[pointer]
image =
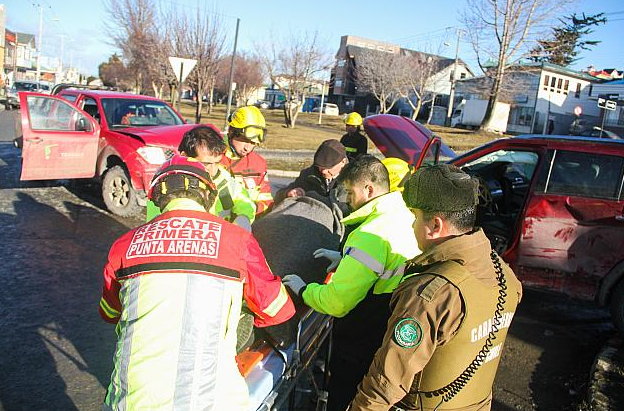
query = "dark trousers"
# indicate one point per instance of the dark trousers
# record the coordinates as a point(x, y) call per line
point(356, 338)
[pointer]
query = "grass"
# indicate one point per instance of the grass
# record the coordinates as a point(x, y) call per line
point(308, 134)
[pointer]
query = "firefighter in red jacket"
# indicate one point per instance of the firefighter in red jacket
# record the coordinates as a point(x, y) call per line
point(174, 286)
point(247, 130)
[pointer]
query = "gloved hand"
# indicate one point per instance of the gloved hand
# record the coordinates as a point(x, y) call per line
point(294, 282)
point(331, 255)
point(243, 222)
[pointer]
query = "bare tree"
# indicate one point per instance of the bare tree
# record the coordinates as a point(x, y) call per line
point(199, 36)
point(381, 74)
point(248, 77)
point(292, 67)
point(415, 85)
point(502, 32)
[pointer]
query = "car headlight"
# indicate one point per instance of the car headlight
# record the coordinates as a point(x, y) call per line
point(153, 155)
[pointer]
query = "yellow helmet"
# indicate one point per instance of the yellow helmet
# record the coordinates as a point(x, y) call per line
point(353, 119)
point(249, 124)
point(399, 172)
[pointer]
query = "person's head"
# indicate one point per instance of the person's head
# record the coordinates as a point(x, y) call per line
point(444, 201)
point(247, 130)
point(364, 179)
point(330, 158)
point(205, 144)
point(399, 172)
point(353, 122)
point(182, 177)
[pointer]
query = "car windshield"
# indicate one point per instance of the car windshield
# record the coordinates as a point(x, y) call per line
point(121, 112)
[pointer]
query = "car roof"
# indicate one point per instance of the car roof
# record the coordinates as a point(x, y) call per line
point(108, 94)
point(571, 139)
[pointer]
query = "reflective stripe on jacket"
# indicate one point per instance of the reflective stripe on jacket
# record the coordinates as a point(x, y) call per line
point(174, 287)
point(251, 172)
point(374, 256)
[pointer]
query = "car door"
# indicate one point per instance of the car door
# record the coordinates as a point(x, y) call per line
point(573, 228)
point(59, 140)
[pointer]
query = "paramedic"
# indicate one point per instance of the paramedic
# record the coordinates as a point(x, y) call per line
point(353, 140)
point(174, 287)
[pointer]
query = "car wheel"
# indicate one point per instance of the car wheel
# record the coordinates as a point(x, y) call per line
point(118, 193)
point(617, 307)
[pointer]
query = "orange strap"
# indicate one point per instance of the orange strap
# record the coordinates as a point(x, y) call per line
point(247, 359)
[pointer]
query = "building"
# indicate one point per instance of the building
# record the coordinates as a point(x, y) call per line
point(20, 54)
point(613, 119)
point(543, 97)
point(343, 88)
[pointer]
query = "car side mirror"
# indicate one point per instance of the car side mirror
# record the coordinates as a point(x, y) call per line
point(83, 125)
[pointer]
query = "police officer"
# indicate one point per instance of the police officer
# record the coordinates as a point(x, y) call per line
point(451, 313)
point(370, 267)
point(353, 140)
point(174, 287)
point(247, 131)
point(232, 203)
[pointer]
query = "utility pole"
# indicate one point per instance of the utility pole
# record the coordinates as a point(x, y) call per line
point(230, 92)
point(40, 38)
point(322, 102)
point(62, 36)
point(449, 111)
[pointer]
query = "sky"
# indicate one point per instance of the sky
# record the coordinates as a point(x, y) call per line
point(414, 24)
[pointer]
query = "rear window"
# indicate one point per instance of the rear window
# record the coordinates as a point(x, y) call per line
point(585, 175)
point(21, 86)
point(69, 97)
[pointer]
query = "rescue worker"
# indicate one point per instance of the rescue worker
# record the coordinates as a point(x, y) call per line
point(451, 313)
point(174, 287)
point(370, 267)
point(353, 140)
point(247, 130)
point(399, 172)
point(232, 203)
point(329, 159)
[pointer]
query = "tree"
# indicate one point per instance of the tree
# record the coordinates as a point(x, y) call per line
point(381, 74)
point(566, 40)
point(114, 73)
point(499, 31)
point(248, 77)
point(292, 67)
point(199, 37)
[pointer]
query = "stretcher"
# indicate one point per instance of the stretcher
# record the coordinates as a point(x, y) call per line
point(272, 374)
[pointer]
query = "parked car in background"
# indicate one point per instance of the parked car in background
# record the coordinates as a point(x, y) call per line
point(328, 108)
point(119, 138)
point(262, 104)
point(602, 133)
point(552, 206)
point(13, 101)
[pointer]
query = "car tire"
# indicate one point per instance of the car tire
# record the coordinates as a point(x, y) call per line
point(118, 193)
point(617, 307)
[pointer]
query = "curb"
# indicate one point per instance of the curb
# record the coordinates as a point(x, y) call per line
point(283, 173)
point(606, 377)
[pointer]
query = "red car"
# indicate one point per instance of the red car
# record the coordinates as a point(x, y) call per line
point(119, 138)
point(552, 206)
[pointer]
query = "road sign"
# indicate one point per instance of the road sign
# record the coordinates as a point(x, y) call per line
point(578, 110)
point(181, 67)
point(607, 104)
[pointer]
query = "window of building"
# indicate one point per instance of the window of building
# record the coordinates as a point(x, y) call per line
point(462, 75)
point(577, 93)
point(565, 87)
point(521, 116)
point(559, 85)
point(584, 174)
point(553, 81)
point(338, 83)
point(546, 79)
point(341, 63)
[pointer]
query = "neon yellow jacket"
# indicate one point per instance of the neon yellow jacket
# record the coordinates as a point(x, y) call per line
point(233, 200)
point(374, 256)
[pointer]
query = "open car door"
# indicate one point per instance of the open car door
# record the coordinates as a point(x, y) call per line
point(59, 140)
point(401, 137)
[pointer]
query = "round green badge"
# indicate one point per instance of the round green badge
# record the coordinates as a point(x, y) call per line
point(408, 333)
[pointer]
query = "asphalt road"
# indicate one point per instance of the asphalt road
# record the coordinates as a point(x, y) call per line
point(56, 352)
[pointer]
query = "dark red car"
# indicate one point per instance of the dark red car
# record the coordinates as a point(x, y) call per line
point(119, 138)
point(552, 206)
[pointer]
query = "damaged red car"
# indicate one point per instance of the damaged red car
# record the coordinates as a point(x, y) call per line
point(552, 206)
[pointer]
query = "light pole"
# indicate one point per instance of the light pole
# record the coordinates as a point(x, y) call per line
point(40, 38)
point(229, 103)
point(449, 111)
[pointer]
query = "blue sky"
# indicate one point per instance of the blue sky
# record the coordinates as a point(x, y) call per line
point(414, 24)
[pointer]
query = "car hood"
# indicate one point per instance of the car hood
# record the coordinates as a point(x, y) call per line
point(401, 137)
point(163, 136)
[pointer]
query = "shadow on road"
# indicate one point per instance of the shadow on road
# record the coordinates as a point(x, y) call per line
point(50, 284)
